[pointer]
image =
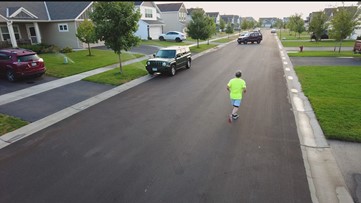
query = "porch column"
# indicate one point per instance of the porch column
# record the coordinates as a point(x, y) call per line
point(12, 34)
point(37, 32)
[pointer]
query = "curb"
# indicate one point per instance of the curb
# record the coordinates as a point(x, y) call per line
point(324, 177)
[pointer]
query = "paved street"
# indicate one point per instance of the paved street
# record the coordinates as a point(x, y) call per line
point(168, 140)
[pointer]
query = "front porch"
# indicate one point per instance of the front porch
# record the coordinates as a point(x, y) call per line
point(15, 34)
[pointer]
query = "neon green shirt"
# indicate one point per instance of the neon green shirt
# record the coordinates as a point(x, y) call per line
point(236, 87)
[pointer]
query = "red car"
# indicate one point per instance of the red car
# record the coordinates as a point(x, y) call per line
point(18, 63)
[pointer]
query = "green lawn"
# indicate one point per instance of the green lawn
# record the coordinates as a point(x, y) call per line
point(79, 61)
point(202, 47)
point(9, 123)
point(225, 40)
point(327, 43)
point(292, 35)
point(334, 92)
point(159, 43)
point(113, 77)
point(324, 54)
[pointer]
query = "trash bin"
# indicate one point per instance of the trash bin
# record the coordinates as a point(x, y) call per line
point(301, 48)
point(65, 59)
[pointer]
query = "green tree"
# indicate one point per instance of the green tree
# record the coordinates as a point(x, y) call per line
point(222, 24)
point(342, 25)
point(199, 27)
point(229, 29)
point(211, 26)
point(86, 33)
point(297, 24)
point(318, 25)
point(115, 24)
point(279, 24)
point(251, 24)
point(244, 24)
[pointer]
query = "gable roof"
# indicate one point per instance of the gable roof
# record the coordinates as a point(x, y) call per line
point(212, 14)
point(69, 10)
point(42, 10)
point(169, 7)
point(190, 10)
point(138, 3)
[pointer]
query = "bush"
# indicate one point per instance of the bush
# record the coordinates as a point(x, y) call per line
point(149, 38)
point(358, 38)
point(66, 50)
point(41, 48)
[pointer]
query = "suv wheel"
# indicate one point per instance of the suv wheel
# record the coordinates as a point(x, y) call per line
point(172, 70)
point(161, 38)
point(258, 41)
point(178, 39)
point(10, 76)
point(245, 42)
point(189, 63)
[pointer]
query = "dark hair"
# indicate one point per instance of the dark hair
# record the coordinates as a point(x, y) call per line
point(238, 74)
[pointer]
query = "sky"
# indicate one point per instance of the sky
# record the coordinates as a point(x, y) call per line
point(263, 9)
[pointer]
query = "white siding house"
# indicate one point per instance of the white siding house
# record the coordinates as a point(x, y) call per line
point(150, 24)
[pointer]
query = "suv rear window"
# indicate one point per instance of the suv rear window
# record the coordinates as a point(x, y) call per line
point(32, 57)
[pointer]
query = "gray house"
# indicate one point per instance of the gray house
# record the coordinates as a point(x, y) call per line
point(216, 16)
point(174, 16)
point(49, 22)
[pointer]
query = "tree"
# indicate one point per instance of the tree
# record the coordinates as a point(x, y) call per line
point(211, 26)
point(86, 33)
point(297, 24)
point(279, 24)
point(222, 24)
point(318, 25)
point(244, 24)
point(342, 25)
point(251, 24)
point(229, 29)
point(199, 27)
point(115, 23)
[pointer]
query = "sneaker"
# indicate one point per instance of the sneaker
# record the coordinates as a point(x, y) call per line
point(235, 116)
point(230, 118)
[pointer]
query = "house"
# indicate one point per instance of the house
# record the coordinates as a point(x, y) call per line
point(48, 22)
point(216, 17)
point(150, 25)
point(357, 32)
point(228, 19)
point(189, 13)
point(267, 22)
point(174, 16)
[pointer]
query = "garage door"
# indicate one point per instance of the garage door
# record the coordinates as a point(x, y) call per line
point(155, 31)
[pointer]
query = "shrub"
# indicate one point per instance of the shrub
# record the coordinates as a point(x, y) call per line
point(41, 48)
point(66, 50)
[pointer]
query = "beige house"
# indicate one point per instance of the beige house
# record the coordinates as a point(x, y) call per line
point(48, 22)
point(174, 16)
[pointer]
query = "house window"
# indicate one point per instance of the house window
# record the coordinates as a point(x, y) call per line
point(6, 35)
point(182, 16)
point(148, 13)
point(63, 27)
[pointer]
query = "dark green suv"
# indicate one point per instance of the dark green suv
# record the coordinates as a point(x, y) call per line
point(169, 60)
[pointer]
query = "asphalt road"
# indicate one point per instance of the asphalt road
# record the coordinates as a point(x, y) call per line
point(168, 140)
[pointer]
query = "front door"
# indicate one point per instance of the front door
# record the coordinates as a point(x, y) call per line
point(31, 34)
